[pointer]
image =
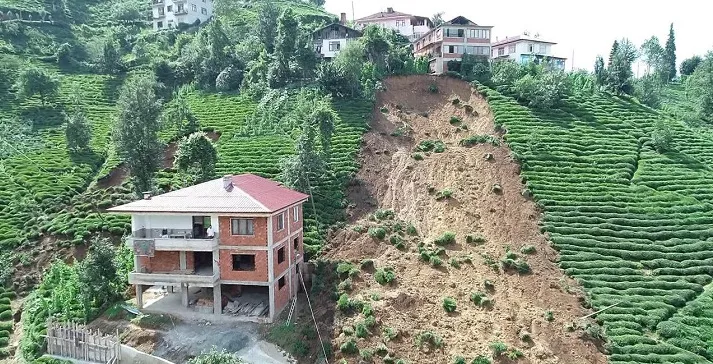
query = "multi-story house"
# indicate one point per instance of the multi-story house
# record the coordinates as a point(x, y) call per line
point(230, 246)
point(449, 41)
point(524, 48)
point(410, 26)
point(331, 39)
point(169, 14)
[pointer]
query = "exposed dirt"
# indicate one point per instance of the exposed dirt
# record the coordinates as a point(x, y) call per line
point(391, 179)
point(115, 178)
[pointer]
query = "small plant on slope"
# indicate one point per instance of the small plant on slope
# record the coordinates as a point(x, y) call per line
point(449, 304)
point(384, 276)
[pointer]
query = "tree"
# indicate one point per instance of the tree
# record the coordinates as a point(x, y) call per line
point(35, 81)
point(178, 113)
point(689, 65)
point(600, 71)
point(612, 53)
point(306, 167)
point(8, 71)
point(285, 42)
point(98, 280)
point(136, 130)
point(619, 73)
point(648, 90)
point(214, 356)
point(267, 25)
point(670, 54)
point(78, 131)
point(700, 86)
point(229, 79)
point(661, 137)
point(317, 2)
point(196, 156)
point(653, 56)
point(111, 57)
point(64, 55)
point(437, 19)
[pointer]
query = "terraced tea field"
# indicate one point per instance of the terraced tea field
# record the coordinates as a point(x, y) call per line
point(6, 323)
point(38, 184)
point(632, 225)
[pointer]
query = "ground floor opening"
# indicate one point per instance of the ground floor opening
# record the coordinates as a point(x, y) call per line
point(244, 300)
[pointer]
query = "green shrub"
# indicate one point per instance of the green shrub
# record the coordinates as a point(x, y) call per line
point(527, 249)
point(459, 360)
point(498, 348)
point(435, 146)
point(367, 264)
point(455, 120)
point(384, 110)
point(384, 276)
point(384, 214)
point(348, 330)
point(370, 321)
point(433, 88)
point(359, 229)
point(514, 354)
point(345, 285)
point(455, 263)
point(444, 194)
point(449, 304)
point(455, 101)
point(343, 303)
point(446, 239)
point(396, 240)
point(360, 330)
point(481, 359)
point(367, 310)
point(390, 333)
point(474, 239)
point(377, 233)
point(429, 338)
point(349, 347)
point(479, 139)
point(435, 260)
point(411, 230)
point(366, 354)
point(549, 315)
point(344, 268)
point(417, 156)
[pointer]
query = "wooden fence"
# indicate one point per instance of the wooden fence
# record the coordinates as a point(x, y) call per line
point(78, 342)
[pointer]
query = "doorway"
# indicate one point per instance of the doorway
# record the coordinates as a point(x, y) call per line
point(203, 263)
point(200, 227)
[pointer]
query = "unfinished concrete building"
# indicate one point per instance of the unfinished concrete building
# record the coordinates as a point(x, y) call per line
point(231, 246)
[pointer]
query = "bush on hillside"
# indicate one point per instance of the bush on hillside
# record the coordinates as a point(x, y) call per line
point(215, 356)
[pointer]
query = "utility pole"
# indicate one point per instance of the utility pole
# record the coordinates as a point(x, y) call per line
point(353, 17)
point(572, 59)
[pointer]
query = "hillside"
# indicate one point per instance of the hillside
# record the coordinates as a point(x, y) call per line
point(417, 197)
point(632, 225)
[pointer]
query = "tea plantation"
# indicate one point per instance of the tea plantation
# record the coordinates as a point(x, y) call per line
point(6, 323)
point(632, 225)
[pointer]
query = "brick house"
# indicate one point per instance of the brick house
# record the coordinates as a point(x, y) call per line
point(234, 243)
point(450, 40)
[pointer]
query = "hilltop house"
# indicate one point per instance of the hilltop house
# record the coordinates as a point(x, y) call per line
point(169, 14)
point(452, 39)
point(230, 246)
point(410, 26)
point(331, 39)
point(524, 48)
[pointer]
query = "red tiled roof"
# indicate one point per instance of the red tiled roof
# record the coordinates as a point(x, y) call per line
point(269, 193)
point(384, 14)
point(247, 194)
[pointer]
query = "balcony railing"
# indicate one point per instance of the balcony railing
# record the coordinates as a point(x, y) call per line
point(206, 279)
point(173, 240)
point(157, 2)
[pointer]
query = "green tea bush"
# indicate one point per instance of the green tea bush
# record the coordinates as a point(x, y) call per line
point(349, 347)
point(449, 304)
point(385, 276)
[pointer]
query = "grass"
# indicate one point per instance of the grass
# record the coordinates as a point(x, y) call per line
point(631, 224)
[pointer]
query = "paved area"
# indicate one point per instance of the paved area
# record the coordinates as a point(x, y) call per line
point(190, 338)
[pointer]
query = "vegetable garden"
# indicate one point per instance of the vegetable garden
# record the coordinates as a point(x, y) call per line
point(632, 225)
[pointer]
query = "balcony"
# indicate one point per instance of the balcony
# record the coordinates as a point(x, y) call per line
point(172, 240)
point(157, 2)
point(205, 277)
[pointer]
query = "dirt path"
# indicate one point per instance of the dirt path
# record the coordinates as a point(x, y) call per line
point(390, 178)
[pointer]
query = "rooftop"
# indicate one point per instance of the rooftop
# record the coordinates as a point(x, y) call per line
point(246, 193)
point(389, 13)
point(521, 38)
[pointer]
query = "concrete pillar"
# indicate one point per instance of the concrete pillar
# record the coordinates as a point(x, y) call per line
point(182, 260)
point(184, 294)
point(139, 296)
point(217, 300)
point(216, 261)
point(272, 301)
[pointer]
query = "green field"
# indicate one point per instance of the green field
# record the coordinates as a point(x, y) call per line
point(632, 225)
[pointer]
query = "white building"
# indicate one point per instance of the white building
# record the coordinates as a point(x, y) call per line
point(331, 39)
point(524, 48)
point(410, 26)
point(169, 14)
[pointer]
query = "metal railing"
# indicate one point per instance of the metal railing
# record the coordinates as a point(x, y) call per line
point(168, 234)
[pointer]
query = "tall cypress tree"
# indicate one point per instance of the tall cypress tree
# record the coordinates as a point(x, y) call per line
point(670, 54)
point(614, 49)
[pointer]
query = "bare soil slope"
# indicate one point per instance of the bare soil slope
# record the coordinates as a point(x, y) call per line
point(539, 304)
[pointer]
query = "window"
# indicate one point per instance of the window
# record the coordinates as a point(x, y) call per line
point(159, 25)
point(401, 23)
point(296, 213)
point(543, 48)
point(531, 48)
point(204, 11)
point(179, 8)
point(511, 49)
point(461, 33)
point(281, 255)
point(296, 243)
point(169, 8)
point(280, 283)
point(194, 7)
point(334, 46)
point(242, 226)
point(280, 221)
point(161, 11)
point(243, 262)
point(501, 51)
